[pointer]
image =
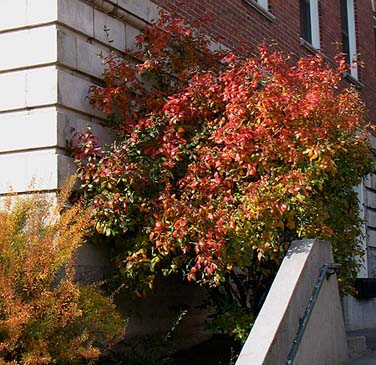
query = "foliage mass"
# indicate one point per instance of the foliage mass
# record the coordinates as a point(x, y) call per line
point(221, 160)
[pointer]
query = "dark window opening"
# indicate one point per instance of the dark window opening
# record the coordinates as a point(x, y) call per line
point(345, 31)
point(374, 29)
point(305, 20)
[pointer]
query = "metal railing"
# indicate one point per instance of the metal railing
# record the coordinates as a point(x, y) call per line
point(326, 272)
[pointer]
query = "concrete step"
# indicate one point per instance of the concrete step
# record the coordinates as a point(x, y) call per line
point(357, 346)
point(368, 359)
point(368, 333)
point(362, 346)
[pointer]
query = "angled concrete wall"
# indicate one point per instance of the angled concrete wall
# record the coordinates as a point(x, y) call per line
point(324, 339)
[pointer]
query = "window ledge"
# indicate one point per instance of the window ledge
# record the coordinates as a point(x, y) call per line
point(353, 80)
point(309, 46)
point(266, 13)
point(346, 75)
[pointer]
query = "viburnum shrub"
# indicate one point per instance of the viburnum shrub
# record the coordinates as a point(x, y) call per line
point(220, 161)
point(45, 317)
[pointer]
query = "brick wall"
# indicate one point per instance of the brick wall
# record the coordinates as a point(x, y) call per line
point(240, 26)
point(367, 49)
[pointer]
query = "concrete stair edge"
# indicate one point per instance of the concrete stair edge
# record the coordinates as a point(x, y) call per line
point(357, 347)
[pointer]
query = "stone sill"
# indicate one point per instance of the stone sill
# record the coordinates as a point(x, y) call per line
point(108, 7)
point(346, 75)
point(353, 80)
point(309, 46)
point(266, 13)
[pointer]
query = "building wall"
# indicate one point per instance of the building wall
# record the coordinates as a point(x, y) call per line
point(239, 25)
point(26, 109)
point(49, 61)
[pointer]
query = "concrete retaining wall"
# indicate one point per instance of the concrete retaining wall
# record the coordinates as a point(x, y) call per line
point(359, 313)
point(324, 340)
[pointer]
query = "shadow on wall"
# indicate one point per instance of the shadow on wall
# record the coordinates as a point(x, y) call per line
point(155, 314)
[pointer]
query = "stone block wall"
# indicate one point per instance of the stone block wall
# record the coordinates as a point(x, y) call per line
point(370, 218)
point(49, 61)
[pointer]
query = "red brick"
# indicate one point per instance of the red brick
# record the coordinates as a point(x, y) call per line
point(235, 22)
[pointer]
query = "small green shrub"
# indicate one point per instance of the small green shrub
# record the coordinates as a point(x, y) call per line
point(45, 317)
